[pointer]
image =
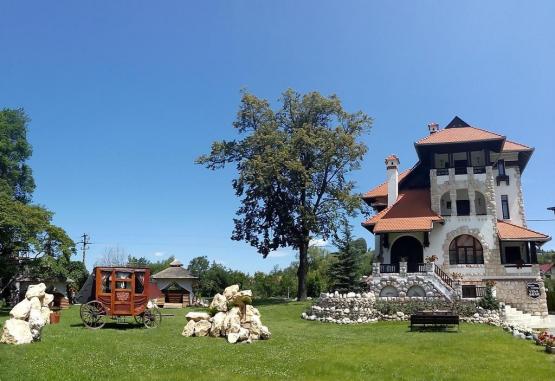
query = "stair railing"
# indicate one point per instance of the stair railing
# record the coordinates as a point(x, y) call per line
point(443, 276)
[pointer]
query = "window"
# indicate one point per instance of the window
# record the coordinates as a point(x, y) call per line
point(465, 249)
point(512, 255)
point(505, 207)
point(139, 282)
point(501, 167)
point(106, 281)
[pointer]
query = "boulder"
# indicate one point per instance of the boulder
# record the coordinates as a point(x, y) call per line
point(202, 328)
point(189, 329)
point(265, 333)
point(197, 316)
point(35, 291)
point(217, 324)
point(230, 291)
point(45, 312)
point(255, 327)
point(219, 303)
point(36, 304)
point(241, 335)
point(232, 318)
point(48, 298)
point(36, 322)
point(242, 297)
point(16, 331)
point(21, 310)
point(250, 312)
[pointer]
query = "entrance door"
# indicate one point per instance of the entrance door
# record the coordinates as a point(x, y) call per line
point(410, 248)
point(123, 297)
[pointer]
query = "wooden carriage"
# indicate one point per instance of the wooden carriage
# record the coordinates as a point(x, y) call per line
point(117, 293)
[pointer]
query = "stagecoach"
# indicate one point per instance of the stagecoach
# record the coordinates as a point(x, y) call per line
point(117, 293)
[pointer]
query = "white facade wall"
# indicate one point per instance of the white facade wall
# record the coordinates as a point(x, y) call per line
point(514, 196)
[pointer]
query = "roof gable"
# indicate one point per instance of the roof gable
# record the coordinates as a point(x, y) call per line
point(457, 123)
point(459, 135)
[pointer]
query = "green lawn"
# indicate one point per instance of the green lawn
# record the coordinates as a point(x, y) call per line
point(298, 350)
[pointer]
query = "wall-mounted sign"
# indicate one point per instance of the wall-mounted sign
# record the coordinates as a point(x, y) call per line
point(534, 290)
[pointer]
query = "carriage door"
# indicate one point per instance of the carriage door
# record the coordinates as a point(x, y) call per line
point(123, 298)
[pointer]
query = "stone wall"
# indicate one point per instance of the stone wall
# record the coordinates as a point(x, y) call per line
point(514, 292)
point(338, 308)
point(403, 284)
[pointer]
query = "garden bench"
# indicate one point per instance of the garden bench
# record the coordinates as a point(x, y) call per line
point(434, 319)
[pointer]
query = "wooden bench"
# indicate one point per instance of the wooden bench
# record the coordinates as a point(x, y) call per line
point(434, 319)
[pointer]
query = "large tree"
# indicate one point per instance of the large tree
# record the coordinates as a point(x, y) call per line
point(15, 174)
point(29, 242)
point(292, 166)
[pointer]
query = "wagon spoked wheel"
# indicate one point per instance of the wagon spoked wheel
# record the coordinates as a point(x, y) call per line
point(93, 314)
point(152, 317)
point(139, 319)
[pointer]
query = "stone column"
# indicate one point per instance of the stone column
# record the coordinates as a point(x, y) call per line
point(472, 201)
point(376, 269)
point(403, 269)
point(457, 286)
point(453, 197)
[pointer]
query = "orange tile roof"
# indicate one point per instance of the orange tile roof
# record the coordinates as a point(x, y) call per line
point(392, 157)
point(381, 190)
point(459, 135)
point(509, 232)
point(512, 146)
point(411, 212)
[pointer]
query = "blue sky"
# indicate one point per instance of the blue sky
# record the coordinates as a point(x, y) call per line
point(124, 96)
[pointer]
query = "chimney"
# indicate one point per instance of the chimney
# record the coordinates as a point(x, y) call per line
point(392, 164)
point(433, 127)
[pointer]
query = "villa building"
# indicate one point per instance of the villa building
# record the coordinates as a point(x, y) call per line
point(456, 220)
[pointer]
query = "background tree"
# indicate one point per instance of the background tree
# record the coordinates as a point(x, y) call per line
point(113, 256)
point(344, 273)
point(292, 165)
point(15, 174)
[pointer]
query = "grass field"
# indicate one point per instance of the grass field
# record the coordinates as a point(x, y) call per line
point(298, 350)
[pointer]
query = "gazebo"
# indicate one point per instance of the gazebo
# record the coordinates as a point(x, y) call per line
point(176, 284)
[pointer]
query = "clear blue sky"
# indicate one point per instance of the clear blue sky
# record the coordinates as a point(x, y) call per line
point(124, 95)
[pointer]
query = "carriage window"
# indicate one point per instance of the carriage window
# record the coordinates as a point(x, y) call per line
point(123, 275)
point(123, 285)
point(106, 281)
point(139, 283)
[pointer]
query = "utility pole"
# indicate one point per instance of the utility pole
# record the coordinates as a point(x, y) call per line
point(85, 242)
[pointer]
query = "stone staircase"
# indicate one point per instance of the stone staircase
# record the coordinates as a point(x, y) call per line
point(517, 317)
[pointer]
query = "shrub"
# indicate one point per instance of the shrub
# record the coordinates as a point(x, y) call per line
point(489, 302)
point(408, 307)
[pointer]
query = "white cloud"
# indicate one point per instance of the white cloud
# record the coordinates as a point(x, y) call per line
point(318, 242)
point(159, 254)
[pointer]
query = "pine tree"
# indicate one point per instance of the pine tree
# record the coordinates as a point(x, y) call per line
point(344, 272)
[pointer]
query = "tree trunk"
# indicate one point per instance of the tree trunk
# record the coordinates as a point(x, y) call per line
point(302, 272)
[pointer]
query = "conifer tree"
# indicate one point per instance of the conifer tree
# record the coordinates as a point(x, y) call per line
point(344, 272)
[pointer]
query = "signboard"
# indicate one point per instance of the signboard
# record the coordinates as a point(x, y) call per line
point(534, 290)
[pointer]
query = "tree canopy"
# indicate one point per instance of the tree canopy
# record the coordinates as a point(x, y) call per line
point(29, 242)
point(15, 174)
point(292, 166)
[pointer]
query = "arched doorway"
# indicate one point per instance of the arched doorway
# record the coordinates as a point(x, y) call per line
point(410, 248)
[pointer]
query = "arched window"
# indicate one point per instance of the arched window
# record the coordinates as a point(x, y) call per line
point(465, 249)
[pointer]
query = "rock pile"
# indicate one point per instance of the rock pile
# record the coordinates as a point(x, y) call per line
point(231, 316)
point(28, 317)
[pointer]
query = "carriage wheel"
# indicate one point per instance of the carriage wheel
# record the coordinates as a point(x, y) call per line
point(152, 317)
point(139, 319)
point(93, 314)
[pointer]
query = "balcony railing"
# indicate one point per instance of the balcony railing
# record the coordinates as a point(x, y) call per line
point(442, 171)
point(478, 170)
point(460, 171)
point(388, 268)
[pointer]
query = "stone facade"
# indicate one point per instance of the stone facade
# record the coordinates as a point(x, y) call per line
point(514, 292)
